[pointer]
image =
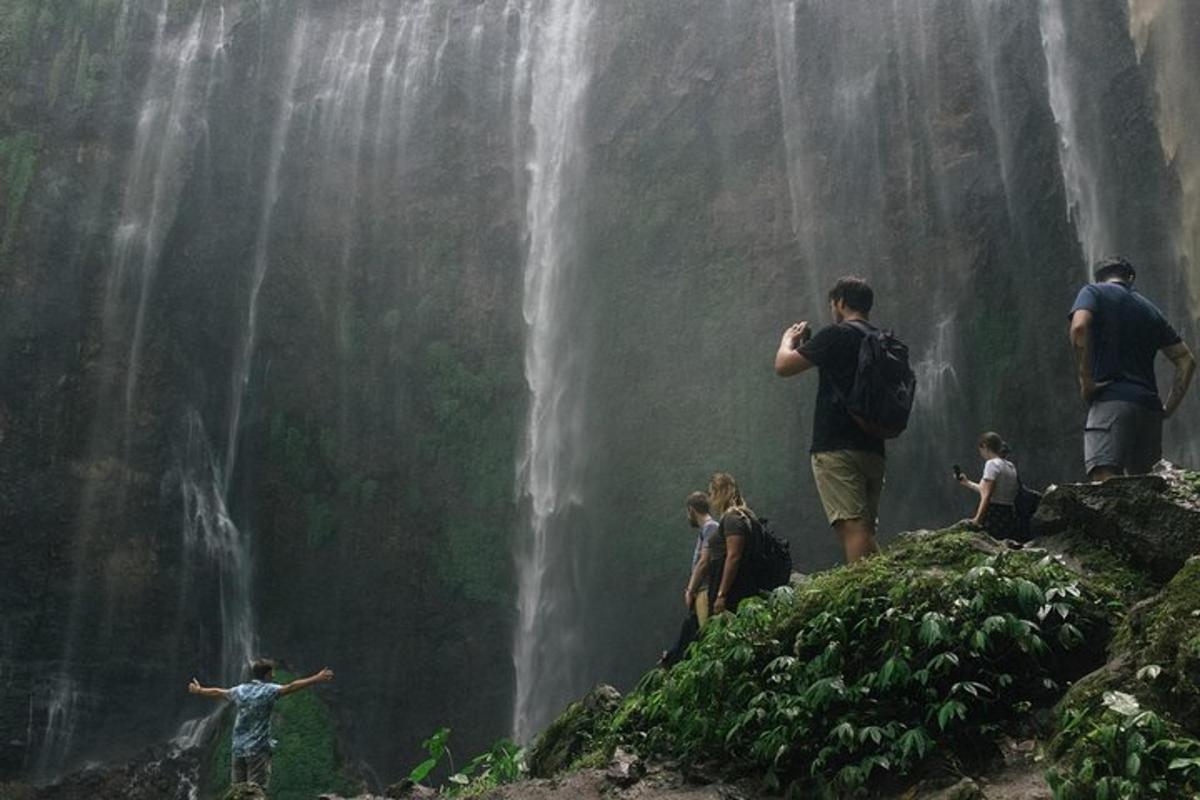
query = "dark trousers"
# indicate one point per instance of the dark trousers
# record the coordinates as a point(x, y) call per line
point(688, 632)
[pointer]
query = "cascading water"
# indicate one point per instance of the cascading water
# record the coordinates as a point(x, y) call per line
point(1165, 33)
point(1078, 131)
point(170, 123)
point(546, 646)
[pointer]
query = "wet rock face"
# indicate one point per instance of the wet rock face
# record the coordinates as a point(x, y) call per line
point(1153, 519)
point(152, 776)
point(571, 734)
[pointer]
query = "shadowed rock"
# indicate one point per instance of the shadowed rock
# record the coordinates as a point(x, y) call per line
point(1153, 519)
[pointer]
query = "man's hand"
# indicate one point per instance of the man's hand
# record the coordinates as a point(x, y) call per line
point(194, 687)
point(794, 334)
point(324, 676)
point(719, 605)
point(1088, 388)
point(688, 598)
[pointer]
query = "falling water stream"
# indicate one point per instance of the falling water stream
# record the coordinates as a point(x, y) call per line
point(546, 647)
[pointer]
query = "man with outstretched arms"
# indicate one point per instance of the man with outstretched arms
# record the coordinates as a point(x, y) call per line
point(847, 462)
point(252, 743)
point(1115, 335)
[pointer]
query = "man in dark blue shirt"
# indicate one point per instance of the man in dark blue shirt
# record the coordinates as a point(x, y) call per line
point(1116, 334)
point(847, 462)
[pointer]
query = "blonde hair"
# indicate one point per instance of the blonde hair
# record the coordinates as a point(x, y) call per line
point(723, 493)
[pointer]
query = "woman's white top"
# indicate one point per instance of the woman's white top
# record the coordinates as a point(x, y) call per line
point(1003, 476)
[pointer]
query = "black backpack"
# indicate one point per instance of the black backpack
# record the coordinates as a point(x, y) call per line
point(1025, 505)
point(881, 398)
point(770, 557)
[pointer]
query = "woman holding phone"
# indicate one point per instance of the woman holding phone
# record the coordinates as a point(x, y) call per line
point(997, 489)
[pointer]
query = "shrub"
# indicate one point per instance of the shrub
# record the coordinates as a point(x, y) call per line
point(861, 673)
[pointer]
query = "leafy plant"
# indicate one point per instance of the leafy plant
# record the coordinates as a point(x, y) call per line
point(504, 763)
point(860, 674)
point(1120, 750)
point(436, 746)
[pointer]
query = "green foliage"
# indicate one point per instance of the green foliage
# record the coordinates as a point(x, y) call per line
point(436, 747)
point(864, 671)
point(306, 761)
point(1117, 749)
point(504, 763)
point(470, 446)
point(307, 458)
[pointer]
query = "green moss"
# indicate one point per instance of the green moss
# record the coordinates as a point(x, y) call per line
point(1155, 660)
point(469, 445)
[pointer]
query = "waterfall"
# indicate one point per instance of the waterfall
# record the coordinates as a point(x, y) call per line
point(171, 121)
point(554, 46)
point(1165, 33)
point(783, 20)
point(279, 137)
point(1078, 134)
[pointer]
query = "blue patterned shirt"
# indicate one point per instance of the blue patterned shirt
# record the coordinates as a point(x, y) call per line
point(252, 728)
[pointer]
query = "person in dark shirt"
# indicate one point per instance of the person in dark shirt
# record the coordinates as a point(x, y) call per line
point(847, 462)
point(1115, 335)
point(728, 579)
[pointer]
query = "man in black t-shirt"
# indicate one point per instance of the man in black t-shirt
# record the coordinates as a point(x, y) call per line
point(1116, 334)
point(847, 462)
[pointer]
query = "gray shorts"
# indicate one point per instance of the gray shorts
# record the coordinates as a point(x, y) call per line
point(253, 769)
point(1123, 436)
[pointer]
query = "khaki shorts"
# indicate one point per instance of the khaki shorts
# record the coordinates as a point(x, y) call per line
point(701, 605)
point(850, 483)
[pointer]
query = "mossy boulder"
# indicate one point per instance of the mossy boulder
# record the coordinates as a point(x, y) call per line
point(1154, 520)
point(576, 731)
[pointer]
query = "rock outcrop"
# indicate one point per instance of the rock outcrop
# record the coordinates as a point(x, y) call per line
point(1153, 519)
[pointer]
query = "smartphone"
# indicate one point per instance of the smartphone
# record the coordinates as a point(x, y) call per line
point(958, 473)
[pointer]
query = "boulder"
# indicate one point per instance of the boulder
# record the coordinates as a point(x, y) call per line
point(569, 736)
point(1154, 520)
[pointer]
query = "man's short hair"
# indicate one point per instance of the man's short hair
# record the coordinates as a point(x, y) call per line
point(855, 292)
point(698, 502)
point(1113, 267)
point(261, 668)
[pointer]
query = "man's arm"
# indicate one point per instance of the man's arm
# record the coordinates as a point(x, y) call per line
point(788, 360)
point(689, 594)
point(216, 693)
point(1185, 365)
point(324, 676)
point(1081, 346)
point(734, 546)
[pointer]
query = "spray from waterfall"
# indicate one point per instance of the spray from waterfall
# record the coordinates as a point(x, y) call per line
point(554, 49)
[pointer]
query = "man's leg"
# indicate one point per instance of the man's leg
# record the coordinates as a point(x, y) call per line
point(238, 770)
point(845, 495)
point(258, 769)
point(858, 538)
point(1101, 450)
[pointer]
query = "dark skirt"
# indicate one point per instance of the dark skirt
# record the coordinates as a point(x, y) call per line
point(1000, 521)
